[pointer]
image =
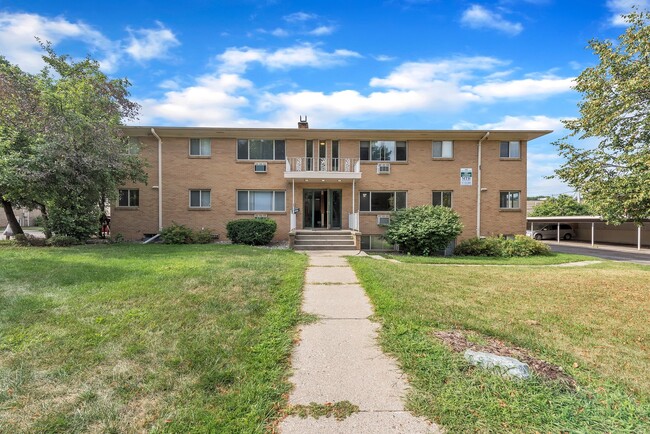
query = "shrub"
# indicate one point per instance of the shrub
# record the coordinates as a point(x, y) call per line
point(255, 232)
point(202, 236)
point(63, 241)
point(423, 230)
point(39, 221)
point(521, 245)
point(30, 240)
point(176, 234)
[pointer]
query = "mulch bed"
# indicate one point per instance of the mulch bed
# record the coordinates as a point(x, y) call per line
point(457, 340)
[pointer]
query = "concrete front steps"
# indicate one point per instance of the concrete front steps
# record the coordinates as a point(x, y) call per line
point(324, 240)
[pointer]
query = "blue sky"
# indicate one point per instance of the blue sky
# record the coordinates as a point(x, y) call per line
point(413, 64)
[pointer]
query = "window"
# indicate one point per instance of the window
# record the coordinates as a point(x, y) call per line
point(200, 199)
point(376, 242)
point(444, 149)
point(200, 147)
point(442, 198)
point(382, 201)
point(260, 149)
point(510, 150)
point(382, 150)
point(509, 200)
point(129, 197)
point(260, 200)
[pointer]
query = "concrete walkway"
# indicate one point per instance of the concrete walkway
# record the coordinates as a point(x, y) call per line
point(338, 358)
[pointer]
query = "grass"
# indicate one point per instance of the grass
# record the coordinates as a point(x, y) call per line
point(552, 259)
point(132, 338)
point(592, 321)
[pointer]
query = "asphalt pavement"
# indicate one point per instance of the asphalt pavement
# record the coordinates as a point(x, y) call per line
point(604, 251)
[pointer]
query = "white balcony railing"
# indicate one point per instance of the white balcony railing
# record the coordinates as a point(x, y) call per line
point(331, 165)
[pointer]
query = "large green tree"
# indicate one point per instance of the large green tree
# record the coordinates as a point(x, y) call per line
point(614, 176)
point(563, 205)
point(73, 161)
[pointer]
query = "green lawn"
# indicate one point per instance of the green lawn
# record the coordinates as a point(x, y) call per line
point(592, 321)
point(132, 338)
point(554, 258)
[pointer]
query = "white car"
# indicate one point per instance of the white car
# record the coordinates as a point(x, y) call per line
point(549, 232)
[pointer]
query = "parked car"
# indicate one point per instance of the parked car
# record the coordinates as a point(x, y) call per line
point(549, 232)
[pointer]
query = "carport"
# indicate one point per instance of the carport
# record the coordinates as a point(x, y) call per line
point(589, 220)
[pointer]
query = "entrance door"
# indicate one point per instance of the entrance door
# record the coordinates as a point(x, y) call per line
point(322, 209)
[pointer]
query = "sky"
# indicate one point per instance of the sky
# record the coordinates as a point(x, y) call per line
point(393, 64)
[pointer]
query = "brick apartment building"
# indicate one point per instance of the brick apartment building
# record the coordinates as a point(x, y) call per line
point(329, 181)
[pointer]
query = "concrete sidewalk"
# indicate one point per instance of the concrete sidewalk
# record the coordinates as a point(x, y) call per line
point(338, 358)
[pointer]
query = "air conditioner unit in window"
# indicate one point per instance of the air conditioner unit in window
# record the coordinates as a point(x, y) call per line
point(260, 167)
point(260, 216)
point(383, 168)
point(383, 220)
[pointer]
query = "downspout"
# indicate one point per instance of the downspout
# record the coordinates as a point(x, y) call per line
point(478, 187)
point(160, 188)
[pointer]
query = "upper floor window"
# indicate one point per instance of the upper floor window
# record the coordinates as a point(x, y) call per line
point(260, 149)
point(510, 149)
point(382, 150)
point(129, 197)
point(200, 147)
point(382, 201)
point(442, 198)
point(443, 149)
point(200, 199)
point(259, 200)
point(509, 200)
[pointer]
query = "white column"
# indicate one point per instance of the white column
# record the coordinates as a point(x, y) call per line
point(638, 236)
point(558, 232)
point(592, 233)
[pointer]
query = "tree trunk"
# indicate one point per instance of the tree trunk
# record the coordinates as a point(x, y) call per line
point(11, 217)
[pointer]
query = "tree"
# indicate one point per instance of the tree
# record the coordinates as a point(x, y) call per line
point(563, 205)
point(614, 177)
point(77, 157)
point(423, 230)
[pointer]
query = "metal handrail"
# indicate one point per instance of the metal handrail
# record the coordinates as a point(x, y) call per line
point(311, 164)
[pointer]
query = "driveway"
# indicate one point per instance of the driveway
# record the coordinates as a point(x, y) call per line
point(615, 253)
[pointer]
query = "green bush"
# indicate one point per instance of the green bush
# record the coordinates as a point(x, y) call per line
point(63, 241)
point(423, 230)
point(255, 232)
point(202, 236)
point(30, 240)
point(39, 221)
point(520, 245)
point(176, 234)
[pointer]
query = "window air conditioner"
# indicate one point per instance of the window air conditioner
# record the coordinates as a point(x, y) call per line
point(383, 220)
point(260, 167)
point(383, 168)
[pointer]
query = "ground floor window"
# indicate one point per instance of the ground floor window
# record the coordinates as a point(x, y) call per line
point(382, 201)
point(376, 242)
point(442, 198)
point(129, 197)
point(200, 199)
point(509, 200)
point(261, 200)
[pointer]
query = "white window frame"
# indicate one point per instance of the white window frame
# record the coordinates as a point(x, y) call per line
point(383, 211)
point(128, 196)
point(510, 200)
point(202, 144)
point(248, 151)
point(444, 144)
point(201, 191)
point(442, 199)
point(273, 202)
point(512, 145)
point(394, 153)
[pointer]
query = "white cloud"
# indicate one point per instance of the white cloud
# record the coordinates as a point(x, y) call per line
point(297, 17)
point(238, 59)
point(479, 17)
point(523, 88)
point(384, 58)
point(279, 32)
point(147, 44)
point(322, 31)
point(620, 7)
point(537, 122)
point(19, 46)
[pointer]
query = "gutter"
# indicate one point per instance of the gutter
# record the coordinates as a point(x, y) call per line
point(478, 186)
point(160, 189)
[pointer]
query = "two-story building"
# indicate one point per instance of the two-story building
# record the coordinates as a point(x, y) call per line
point(324, 179)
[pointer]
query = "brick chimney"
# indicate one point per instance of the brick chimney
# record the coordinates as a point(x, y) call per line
point(303, 124)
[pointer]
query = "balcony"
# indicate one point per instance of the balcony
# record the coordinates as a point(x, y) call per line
point(322, 169)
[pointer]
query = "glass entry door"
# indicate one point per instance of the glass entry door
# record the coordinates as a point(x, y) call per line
point(322, 209)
